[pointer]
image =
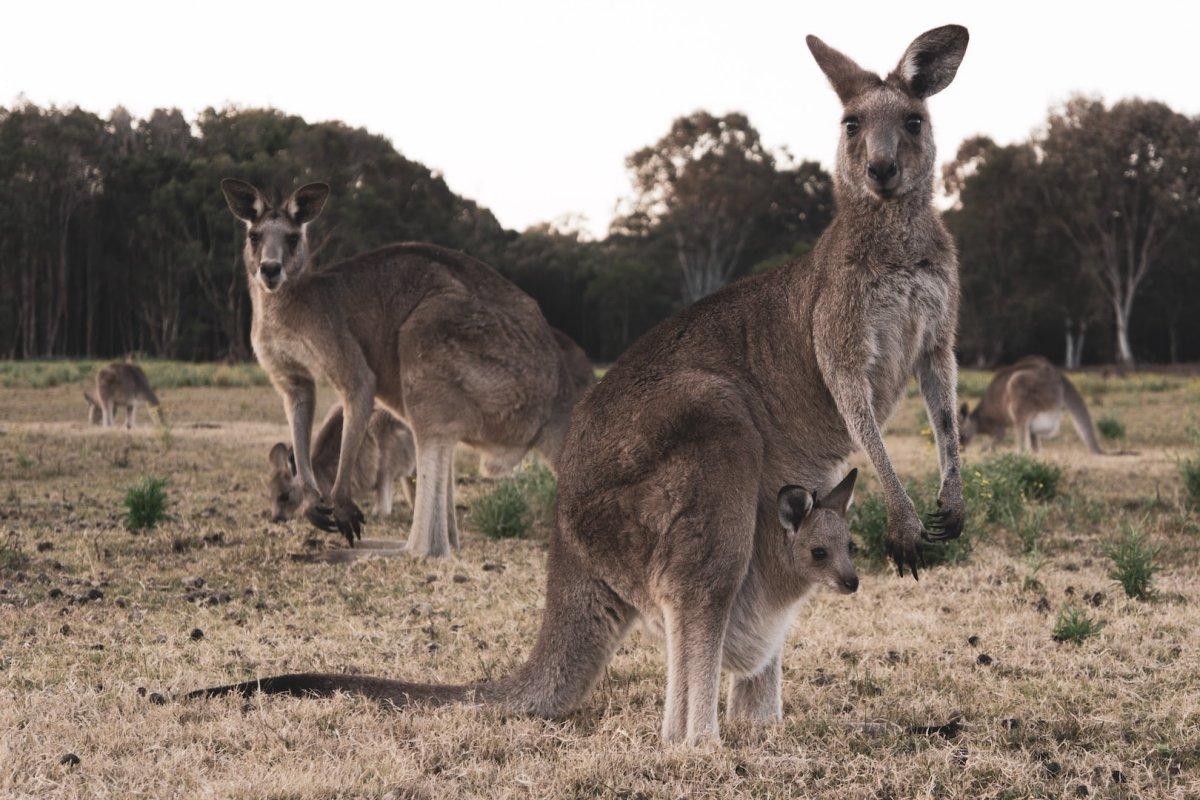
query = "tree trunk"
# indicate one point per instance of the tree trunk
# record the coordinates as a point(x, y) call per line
point(1069, 359)
point(1124, 354)
point(1077, 356)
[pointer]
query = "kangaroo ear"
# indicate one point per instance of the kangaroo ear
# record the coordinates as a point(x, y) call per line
point(279, 456)
point(847, 77)
point(245, 200)
point(930, 62)
point(840, 496)
point(795, 503)
point(306, 202)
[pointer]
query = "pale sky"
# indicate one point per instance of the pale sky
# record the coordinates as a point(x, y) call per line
point(530, 107)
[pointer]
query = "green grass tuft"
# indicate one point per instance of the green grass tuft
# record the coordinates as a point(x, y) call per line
point(1111, 428)
point(1189, 470)
point(516, 505)
point(1075, 626)
point(503, 513)
point(1133, 562)
point(145, 504)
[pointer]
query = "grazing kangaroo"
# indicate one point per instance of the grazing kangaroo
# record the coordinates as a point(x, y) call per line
point(437, 337)
point(387, 455)
point(668, 501)
point(121, 384)
point(1030, 395)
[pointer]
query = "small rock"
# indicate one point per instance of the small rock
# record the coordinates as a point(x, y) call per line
point(94, 594)
point(1118, 776)
point(973, 640)
point(55, 593)
point(194, 583)
point(489, 566)
point(430, 578)
point(69, 760)
point(460, 578)
point(1096, 600)
point(1053, 768)
point(1010, 724)
point(1081, 790)
point(97, 647)
point(121, 602)
point(196, 634)
point(893, 656)
point(1070, 592)
point(141, 691)
point(214, 538)
point(984, 660)
point(65, 630)
point(42, 547)
point(157, 699)
point(1043, 605)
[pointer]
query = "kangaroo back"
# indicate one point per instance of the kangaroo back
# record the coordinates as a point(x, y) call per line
point(141, 385)
point(1080, 416)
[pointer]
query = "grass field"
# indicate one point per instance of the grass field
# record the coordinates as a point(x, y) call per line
point(948, 687)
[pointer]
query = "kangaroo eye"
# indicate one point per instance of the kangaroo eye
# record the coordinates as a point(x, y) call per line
point(255, 238)
point(293, 239)
point(851, 124)
point(819, 554)
point(913, 124)
point(852, 547)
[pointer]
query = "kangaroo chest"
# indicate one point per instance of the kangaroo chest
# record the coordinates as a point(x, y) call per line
point(906, 308)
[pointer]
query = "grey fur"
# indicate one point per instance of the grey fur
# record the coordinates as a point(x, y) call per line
point(668, 493)
point(436, 337)
point(1031, 396)
point(120, 385)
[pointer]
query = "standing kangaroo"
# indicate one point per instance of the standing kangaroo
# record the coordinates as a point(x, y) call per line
point(1031, 395)
point(668, 501)
point(387, 455)
point(120, 384)
point(436, 337)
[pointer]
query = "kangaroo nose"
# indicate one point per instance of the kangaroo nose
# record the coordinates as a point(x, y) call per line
point(882, 171)
point(270, 270)
point(851, 583)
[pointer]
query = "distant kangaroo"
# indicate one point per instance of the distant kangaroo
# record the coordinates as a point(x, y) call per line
point(1030, 395)
point(668, 498)
point(387, 455)
point(120, 384)
point(437, 337)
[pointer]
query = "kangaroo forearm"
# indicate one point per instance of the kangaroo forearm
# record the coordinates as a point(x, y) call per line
point(356, 414)
point(938, 377)
point(858, 414)
point(300, 398)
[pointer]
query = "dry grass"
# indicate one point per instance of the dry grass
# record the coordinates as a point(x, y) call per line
point(1118, 714)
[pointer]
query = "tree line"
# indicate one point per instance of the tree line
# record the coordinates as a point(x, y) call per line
point(1080, 243)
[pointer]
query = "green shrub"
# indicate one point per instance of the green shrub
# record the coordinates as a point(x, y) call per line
point(540, 488)
point(1111, 428)
point(1074, 625)
point(868, 519)
point(1189, 470)
point(1028, 527)
point(514, 506)
point(503, 512)
point(145, 504)
point(1033, 478)
point(1133, 562)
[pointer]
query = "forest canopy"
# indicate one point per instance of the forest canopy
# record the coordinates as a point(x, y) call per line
point(1080, 243)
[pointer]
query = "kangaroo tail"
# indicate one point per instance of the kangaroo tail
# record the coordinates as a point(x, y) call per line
point(318, 684)
point(1080, 416)
point(582, 625)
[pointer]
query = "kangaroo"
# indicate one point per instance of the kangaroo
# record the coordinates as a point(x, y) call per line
point(1031, 395)
point(436, 337)
point(668, 506)
point(387, 455)
point(121, 384)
